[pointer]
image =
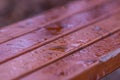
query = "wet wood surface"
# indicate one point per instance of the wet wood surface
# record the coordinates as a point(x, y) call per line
point(78, 41)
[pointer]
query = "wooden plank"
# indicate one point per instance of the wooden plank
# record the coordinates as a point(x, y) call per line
point(44, 19)
point(25, 43)
point(58, 49)
point(85, 64)
point(77, 45)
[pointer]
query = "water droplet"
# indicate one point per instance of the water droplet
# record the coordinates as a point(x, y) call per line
point(97, 54)
point(54, 29)
point(84, 41)
point(75, 44)
point(83, 51)
point(97, 28)
point(49, 58)
point(62, 73)
point(81, 62)
point(59, 48)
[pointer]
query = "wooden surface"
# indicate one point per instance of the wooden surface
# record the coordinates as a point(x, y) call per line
point(78, 41)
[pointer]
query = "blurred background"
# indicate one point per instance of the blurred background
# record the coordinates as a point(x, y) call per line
point(113, 76)
point(12, 11)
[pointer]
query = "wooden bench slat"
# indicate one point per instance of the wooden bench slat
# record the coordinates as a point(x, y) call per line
point(85, 44)
point(44, 19)
point(51, 52)
point(25, 43)
point(84, 64)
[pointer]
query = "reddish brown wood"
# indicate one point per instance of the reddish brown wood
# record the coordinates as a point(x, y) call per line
point(26, 42)
point(44, 19)
point(84, 64)
point(81, 45)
